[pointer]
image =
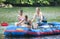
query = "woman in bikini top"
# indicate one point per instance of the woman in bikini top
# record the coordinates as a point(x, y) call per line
point(21, 16)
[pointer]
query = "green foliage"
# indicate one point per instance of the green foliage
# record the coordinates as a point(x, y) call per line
point(10, 1)
point(46, 2)
point(17, 1)
point(58, 1)
point(50, 0)
point(31, 2)
point(2, 1)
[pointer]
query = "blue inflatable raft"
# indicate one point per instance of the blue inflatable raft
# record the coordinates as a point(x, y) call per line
point(47, 29)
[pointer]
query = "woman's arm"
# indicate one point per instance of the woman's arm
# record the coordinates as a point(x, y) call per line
point(20, 22)
point(33, 17)
point(41, 16)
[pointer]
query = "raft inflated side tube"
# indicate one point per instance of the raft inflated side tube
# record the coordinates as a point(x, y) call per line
point(13, 30)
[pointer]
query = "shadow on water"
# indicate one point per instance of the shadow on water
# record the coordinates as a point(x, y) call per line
point(43, 37)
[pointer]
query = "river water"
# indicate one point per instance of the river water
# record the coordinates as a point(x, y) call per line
point(46, 37)
point(54, 16)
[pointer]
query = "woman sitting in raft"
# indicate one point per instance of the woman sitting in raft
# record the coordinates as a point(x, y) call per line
point(38, 17)
point(26, 22)
point(21, 17)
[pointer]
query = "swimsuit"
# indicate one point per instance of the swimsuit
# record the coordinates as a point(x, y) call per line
point(21, 18)
point(38, 18)
point(27, 22)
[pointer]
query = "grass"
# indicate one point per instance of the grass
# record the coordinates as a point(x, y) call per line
point(10, 14)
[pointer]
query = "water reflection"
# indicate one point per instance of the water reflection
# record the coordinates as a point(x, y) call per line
point(46, 37)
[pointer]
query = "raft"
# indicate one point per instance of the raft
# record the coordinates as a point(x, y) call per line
point(45, 29)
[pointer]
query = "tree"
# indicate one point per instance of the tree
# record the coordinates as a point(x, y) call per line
point(31, 2)
point(1, 1)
